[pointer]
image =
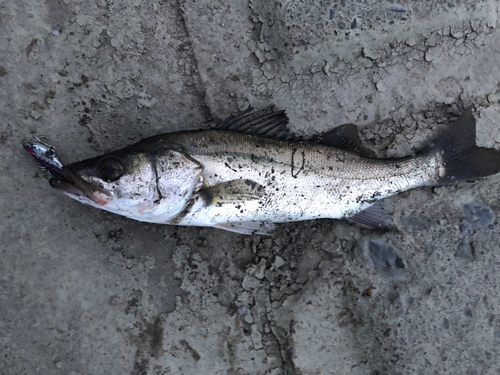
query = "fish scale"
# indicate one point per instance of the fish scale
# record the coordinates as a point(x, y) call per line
point(317, 185)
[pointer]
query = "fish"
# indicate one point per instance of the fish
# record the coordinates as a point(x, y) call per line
point(250, 173)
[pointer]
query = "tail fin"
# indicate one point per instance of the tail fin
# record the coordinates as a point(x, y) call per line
point(462, 159)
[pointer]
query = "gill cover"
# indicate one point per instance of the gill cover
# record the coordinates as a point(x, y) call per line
point(178, 176)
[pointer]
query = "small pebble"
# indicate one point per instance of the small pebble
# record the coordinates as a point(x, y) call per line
point(278, 261)
point(56, 30)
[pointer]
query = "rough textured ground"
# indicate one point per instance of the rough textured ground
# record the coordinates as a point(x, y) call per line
point(86, 292)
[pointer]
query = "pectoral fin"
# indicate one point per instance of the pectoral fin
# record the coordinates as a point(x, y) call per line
point(248, 227)
point(232, 192)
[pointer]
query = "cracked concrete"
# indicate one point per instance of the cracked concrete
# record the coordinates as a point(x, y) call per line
point(85, 292)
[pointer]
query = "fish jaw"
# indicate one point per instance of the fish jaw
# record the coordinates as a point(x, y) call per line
point(76, 188)
point(152, 210)
point(94, 198)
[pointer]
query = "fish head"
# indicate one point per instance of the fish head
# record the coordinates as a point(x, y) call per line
point(133, 182)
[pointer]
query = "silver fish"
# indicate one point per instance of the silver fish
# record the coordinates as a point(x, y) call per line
point(250, 173)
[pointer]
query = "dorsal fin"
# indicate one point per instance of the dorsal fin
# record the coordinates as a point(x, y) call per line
point(345, 137)
point(271, 123)
point(266, 122)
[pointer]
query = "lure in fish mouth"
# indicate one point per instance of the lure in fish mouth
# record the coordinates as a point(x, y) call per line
point(63, 178)
point(249, 173)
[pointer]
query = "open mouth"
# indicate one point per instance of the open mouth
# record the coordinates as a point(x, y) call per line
point(69, 183)
point(76, 187)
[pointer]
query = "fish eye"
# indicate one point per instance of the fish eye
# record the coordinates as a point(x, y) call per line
point(110, 168)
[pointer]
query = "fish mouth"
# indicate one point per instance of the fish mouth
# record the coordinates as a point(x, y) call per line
point(69, 183)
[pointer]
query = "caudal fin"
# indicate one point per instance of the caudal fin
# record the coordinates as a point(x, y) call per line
point(462, 159)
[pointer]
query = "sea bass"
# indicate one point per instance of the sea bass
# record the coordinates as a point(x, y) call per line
point(249, 173)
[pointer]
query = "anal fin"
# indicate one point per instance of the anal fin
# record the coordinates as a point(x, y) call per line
point(377, 216)
point(248, 227)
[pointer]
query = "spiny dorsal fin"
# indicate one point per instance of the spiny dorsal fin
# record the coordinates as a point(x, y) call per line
point(345, 137)
point(266, 122)
point(232, 192)
point(271, 123)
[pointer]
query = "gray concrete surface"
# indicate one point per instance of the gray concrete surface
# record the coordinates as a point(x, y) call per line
point(83, 291)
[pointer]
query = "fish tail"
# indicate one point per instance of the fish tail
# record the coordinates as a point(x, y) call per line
point(461, 158)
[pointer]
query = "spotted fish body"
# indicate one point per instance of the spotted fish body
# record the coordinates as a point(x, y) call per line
point(299, 181)
point(248, 174)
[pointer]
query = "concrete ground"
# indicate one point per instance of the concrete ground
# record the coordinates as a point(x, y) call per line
point(83, 291)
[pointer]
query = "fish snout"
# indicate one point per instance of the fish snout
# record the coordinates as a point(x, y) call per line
point(76, 187)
